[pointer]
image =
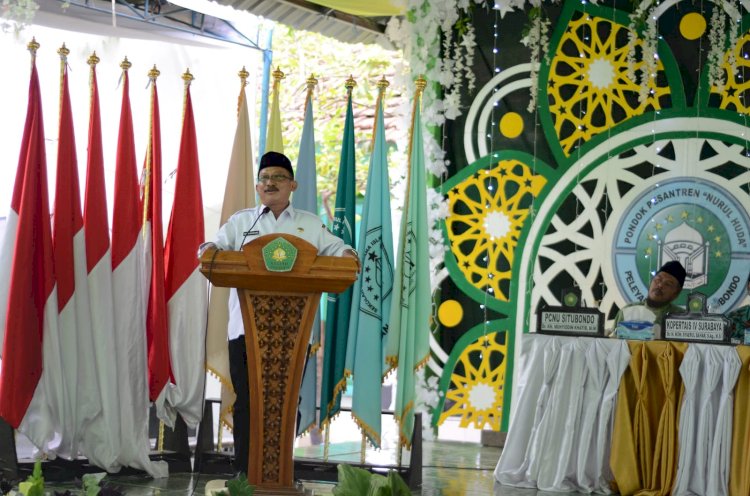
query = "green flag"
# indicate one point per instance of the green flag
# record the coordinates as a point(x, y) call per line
point(339, 305)
point(306, 198)
point(407, 343)
point(274, 142)
point(370, 312)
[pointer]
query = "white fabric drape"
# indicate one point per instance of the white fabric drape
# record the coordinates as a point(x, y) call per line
point(571, 385)
point(709, 374)
point(607, 361)
point(721, 453)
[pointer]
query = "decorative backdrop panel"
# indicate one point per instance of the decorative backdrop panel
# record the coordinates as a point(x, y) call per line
point(635, 151)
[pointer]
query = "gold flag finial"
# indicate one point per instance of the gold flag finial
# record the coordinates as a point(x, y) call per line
point(350, 82)
point(63, 51)
point(278, 74)
point(421, 83)
point(125, 64)
point(187, 77)
point(383, 84)
point(311, 82)
point(33, 46)
point(243, 74)
point(153, 73)
point(93, 59)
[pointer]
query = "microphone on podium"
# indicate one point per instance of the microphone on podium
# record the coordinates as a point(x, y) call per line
point(247, 233)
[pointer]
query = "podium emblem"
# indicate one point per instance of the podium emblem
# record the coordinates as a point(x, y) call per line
point(279, 255)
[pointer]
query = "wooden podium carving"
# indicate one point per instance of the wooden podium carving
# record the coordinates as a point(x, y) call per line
point(278, 310)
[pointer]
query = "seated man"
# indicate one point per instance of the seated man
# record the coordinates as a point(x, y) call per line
point(740, 319)
point(644, 320)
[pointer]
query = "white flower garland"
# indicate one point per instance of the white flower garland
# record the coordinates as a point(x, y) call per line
point(438, 40)
point(20, 11)
point(537, 39)
point(427, 398)
point(716, 48)
point(650, 66)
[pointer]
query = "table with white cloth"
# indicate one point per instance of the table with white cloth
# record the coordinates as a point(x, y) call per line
point(634, 417)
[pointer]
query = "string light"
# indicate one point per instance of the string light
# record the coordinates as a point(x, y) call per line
point(490, 187)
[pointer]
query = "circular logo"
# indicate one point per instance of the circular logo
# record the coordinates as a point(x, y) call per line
point(377, 274)
point(695, 222)
point(570, 299)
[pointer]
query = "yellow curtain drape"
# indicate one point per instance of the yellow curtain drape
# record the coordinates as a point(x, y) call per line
point(644, 437)
point(739, 470)
point(366, 8)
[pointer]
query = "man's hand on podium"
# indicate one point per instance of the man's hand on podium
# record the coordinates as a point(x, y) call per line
point(353, 253)
point(205, 247)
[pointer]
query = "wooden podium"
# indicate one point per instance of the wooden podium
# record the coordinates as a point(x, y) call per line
point(278, 310)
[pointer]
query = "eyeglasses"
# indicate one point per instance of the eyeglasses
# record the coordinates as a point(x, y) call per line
point(277, 178)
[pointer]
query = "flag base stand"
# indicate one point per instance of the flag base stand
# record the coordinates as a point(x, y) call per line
point(327, 471)
point(8, 462)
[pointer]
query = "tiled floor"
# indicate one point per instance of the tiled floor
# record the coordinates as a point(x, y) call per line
point(456, 465)
point(450, 468)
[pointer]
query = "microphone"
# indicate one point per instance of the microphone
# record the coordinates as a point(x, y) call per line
point(247, 233)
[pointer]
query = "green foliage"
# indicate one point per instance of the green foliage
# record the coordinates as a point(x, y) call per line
point(397, 484)
point(355, 481)
point(238, 487)
point(301, 53)
point(91, 484)
point(34, 485)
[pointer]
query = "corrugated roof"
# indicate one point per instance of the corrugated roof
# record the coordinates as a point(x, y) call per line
point(311, 17)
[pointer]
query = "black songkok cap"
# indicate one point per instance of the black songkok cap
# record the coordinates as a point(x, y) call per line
point(275, 159)
point(674, 268)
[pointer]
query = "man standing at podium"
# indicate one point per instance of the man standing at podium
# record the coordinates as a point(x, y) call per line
point(274, 214)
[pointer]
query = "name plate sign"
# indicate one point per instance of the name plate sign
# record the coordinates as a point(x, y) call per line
point(696, 324)
point(701, 328)
point(576, 321)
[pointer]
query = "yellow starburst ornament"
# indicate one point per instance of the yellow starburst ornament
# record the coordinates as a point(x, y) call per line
point(476, 391)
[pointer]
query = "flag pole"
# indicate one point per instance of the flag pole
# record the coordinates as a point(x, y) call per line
point(63, 52)
point(421, 84)
point(340, 386)
point(92, 61)
point(278, 75)
point(330, 394)
point(33, 46)
point(311, 84)
point(274, 139)
point(382, 84)
point(327, 443)
point(187, 78)
point(243, 74)
point(152, 75)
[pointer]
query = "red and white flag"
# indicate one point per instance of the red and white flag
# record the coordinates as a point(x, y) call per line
point(82, 398)
point(156, 311)
point(30, 369)
point(129, 290)
point(101, 441)
point(185, 285)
